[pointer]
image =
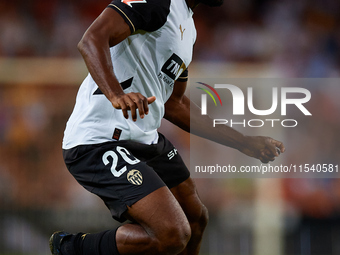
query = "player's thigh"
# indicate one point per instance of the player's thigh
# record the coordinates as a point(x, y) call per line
point(187, 196)
point(159, 213)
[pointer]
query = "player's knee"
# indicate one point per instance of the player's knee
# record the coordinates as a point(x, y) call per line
point(175, 240)
point(204, 219)
point(199, 221)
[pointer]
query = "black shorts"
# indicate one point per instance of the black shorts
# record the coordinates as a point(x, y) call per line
point(123, 172)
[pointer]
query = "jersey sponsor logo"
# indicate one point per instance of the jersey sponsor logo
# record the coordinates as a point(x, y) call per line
point(172, 68)
point(135, 177)
point(129, 2)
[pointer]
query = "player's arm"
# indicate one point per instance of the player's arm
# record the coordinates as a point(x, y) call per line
point(177, 111)
point(106, 31)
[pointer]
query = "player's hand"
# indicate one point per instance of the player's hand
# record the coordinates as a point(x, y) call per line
point(131, 102)
point(263, 148)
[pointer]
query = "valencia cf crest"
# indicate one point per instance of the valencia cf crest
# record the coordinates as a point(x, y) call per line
point(135, 177)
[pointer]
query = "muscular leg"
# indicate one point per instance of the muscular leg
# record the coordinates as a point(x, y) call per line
point(196, 213)
point(162, 227)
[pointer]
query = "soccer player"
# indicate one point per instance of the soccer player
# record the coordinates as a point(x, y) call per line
point(137, 53)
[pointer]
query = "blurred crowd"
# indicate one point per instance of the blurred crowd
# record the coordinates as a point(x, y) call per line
point(301, 37)
point(45, 28)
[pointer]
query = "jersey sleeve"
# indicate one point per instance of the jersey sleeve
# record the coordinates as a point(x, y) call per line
point(148, 15)
point(184, 76)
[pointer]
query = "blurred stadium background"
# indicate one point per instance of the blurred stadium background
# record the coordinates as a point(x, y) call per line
point(40, 71)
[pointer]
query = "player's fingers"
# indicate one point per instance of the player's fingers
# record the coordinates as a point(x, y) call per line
point(266, 159)
point(278, 151)
point(148, 101)
point(124, 108)
point(141, 101)
point(280, 146)
point(263, 160)
point(269, 153)
point(271, 159)
point(272, 148)
point(151, 99)
point(132, 106)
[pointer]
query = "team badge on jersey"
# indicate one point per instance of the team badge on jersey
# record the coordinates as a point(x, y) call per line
point(135, 177)
point(129, 2)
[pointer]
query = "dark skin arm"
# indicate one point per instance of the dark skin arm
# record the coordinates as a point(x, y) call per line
point(106, 31)
point(177, 111)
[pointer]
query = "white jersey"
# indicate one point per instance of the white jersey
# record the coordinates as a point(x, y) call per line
point(149, 61)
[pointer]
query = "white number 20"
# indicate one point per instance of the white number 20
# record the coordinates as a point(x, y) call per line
point(125, 155)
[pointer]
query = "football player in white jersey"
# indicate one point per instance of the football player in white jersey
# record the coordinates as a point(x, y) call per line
point(137, 53)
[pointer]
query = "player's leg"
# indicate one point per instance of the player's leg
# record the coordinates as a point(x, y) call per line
point(172, 170)
point(130, 189)
point(162, 227)
point(196, 213)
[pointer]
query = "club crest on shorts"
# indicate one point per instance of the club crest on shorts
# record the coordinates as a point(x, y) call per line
point(135, 177)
